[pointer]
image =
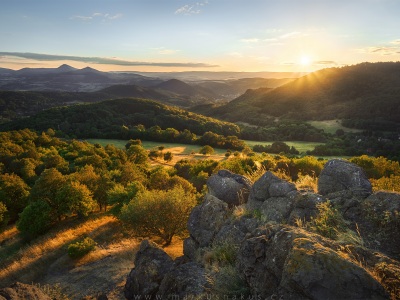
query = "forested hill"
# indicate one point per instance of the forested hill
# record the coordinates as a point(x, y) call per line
point(112, 118)
point(367, 91)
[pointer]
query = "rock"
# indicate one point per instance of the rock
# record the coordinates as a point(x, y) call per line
point(340, 175)
point(379, 222)
point(266, 187)
point(305, 207)
point(151, 265)
point(289, 261)
point(321, 273)
point(229, 187)
point(207, 219)
point(190, 247)
point(186, 280)
point(22, 291)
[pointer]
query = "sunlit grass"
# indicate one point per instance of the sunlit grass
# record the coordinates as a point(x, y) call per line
point(32, 259)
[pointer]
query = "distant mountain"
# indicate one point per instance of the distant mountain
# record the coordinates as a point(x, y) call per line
point(67, 78)
point(367, 91)
point(111, 118)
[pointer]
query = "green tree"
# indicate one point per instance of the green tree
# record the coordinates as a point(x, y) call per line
point(137, 154)
point(77, 199)
point(35, 219)
point(206, 150)
point(159, 213)
point(168, 156)
point(3, 210)
point(14, 194)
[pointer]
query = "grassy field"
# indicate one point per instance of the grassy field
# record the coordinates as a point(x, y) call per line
point(301, 146)
point(188, 149)
point(330, 126)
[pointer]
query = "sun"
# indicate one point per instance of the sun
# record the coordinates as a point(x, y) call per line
point(305, 60)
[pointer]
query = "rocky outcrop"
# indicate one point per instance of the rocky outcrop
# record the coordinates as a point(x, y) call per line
point(156, 275)
point(273, 259)
point(340, 175)
point(151, 265)
point(21, 291)
point(273, 197)
point(229, 187)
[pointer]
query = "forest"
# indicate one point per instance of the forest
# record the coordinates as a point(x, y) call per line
point(55, 179)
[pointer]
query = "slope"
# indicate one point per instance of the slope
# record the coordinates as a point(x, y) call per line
point(114, 117)
point(367, 91)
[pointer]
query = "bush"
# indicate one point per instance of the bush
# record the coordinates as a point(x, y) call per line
point(329, 222)
point(35, 219)
point(79, 249)
point(206, 150)
point(159, 213)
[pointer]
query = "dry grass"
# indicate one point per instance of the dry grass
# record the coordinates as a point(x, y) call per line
point(32, 259)
point(307, 182)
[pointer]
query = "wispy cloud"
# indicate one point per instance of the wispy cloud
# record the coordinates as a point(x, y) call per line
point(381, 50)
point(252, 40)
point(396, 42)
point(103, 60)
point(191, 9)
point(325, 62)
point(98, 16)
point(165, 51)
point(290, 35)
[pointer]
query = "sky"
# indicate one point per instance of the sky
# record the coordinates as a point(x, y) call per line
point(202, 35)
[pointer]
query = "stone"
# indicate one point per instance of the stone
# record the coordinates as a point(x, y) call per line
point(305, 207)
point(340, 175)
point(151, 265)
point(186, 280)
point(266, 187)
point(207, 219)
point(229, 187)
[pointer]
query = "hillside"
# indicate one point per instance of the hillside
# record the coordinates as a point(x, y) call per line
point(114, 117)
point(368, 91)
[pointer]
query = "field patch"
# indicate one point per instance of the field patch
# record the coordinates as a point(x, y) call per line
point(330, 126)
point(302, 147)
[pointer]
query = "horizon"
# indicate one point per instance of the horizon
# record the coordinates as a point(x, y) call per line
point(208, 35)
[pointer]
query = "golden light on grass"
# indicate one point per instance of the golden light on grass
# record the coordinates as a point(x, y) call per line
point(32, 259)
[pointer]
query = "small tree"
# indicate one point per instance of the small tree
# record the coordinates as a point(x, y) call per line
point(206, 150)
point(168, 156)
point(36, 219)
point(159, 213)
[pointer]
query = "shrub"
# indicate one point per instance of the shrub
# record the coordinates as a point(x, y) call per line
point(81, 248)
point(329, 222)
point(229, 283)
point(159, 213)
point(35, 219)
point(206, 150)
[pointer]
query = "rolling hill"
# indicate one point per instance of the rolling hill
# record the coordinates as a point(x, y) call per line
point(112, 118)
point(367, 91)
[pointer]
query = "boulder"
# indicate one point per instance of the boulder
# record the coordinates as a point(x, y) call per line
point(22, 291)
point(229, 187)
point(207, 219)
point(289, 261)
point(186, 280)
point(321, 273)
point(379, 222)
point(151, 265)
point(268, 186)
point(340, 175)
point(305, 207)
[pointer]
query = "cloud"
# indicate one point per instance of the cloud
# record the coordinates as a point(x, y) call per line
point(290, 35)
point(253, 40)
point(324, 62)
point(103, 60)
point(97, 15)
point(383, 50)
point(235, 54)
point(191, 9)
point(396, 42)
point(165, 51)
